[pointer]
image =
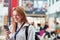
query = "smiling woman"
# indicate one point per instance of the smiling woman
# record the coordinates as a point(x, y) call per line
point(19, 13)
point(18, 26)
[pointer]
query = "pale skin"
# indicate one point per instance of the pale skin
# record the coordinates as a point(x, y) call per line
point(16, 19)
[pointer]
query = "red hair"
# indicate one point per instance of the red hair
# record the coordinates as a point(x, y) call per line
point(21, 12)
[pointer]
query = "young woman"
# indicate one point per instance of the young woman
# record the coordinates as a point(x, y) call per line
point(19, 21)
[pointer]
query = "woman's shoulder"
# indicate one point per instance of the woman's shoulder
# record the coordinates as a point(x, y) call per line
point(31, 27)
point(28, 24)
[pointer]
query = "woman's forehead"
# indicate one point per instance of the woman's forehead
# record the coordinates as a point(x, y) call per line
point(16, 13)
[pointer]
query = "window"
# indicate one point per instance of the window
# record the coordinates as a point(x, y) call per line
point(49, 2)
point(52, 1)
point(6, 3)
point(57, 0)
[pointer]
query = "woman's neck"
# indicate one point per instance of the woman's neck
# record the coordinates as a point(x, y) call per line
point(20, 23)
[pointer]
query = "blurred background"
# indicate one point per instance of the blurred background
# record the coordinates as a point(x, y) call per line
point(37, 12)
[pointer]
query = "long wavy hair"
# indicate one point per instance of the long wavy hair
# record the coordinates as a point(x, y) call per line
point(20, 10)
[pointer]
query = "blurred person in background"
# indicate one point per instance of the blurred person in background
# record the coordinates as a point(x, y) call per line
point(46, 31)
point(58, 25)
point(29, 6)
point(46, 26)
point(33, 24)
point(58, 30)
point(18, 26)
point(38, 28)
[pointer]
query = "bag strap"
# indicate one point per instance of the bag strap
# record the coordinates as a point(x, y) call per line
point(26, 31)
point(18, 31)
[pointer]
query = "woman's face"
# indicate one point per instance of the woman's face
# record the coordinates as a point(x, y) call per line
point(16, 17)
